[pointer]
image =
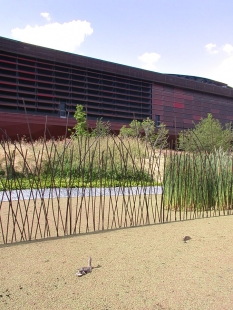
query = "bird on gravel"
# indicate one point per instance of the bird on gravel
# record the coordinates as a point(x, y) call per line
point(186, 238)
point(85, 270)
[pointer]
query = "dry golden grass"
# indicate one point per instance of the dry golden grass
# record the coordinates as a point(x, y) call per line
point(27, 155)
point(108, 152)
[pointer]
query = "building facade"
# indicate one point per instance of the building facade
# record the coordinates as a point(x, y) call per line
point(40, 88)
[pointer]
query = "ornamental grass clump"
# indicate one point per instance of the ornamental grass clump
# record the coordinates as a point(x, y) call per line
point(83, 161)
point(198, 181)
point(99, 161)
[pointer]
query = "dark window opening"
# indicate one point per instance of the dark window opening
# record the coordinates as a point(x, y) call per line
point(62, 109)
point(157, 120)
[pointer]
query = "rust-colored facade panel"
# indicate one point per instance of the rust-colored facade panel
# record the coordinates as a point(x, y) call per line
point(178, 97)
point(168, 96)
point(157, 96)
point(190, 106)
point(197, 117)
point(188, 115)
point(187, 97)
point(188, 121)
point(178, 105)
point(179, 100)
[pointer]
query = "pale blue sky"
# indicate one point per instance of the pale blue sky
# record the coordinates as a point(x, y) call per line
point(193, 37)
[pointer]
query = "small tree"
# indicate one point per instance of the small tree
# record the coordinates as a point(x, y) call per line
point(207, 136)
point(102, 128)
point(149, 128)
point(80, 129)
point(160, 138)
point(136, 127)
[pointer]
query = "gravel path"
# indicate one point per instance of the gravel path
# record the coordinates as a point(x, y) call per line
point(147, 267)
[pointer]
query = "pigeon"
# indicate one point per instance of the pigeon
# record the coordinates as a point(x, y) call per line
point(186, 238)
point(84, 270)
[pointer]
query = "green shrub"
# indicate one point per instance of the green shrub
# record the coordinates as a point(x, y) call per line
point(207, 136)
point(149, 128)
point(125, 132)
point(160, 139)
point(134, 130)
point(102, 128)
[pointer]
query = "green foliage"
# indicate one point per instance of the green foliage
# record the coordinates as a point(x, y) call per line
point(80, 129)
point(102, 128)
point(84, 161)
point(133, 130)
point(149, 128)
point(129, 179)
point(159, 140)
point(125, 132)
point(197, 181)
point(207, 136)
point(92, 160)
point(136, 127)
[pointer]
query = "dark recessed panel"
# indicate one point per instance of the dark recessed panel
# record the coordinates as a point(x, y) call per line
point(168, 108)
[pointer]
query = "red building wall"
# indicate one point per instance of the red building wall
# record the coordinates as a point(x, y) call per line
point(180, 108)
point(52, 83)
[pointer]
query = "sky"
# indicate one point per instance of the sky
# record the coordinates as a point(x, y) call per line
point(190, 37)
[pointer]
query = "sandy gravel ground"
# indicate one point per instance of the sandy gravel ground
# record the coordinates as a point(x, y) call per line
point(146, 267)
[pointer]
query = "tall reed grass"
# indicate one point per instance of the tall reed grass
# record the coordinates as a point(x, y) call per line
point(199, 181)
